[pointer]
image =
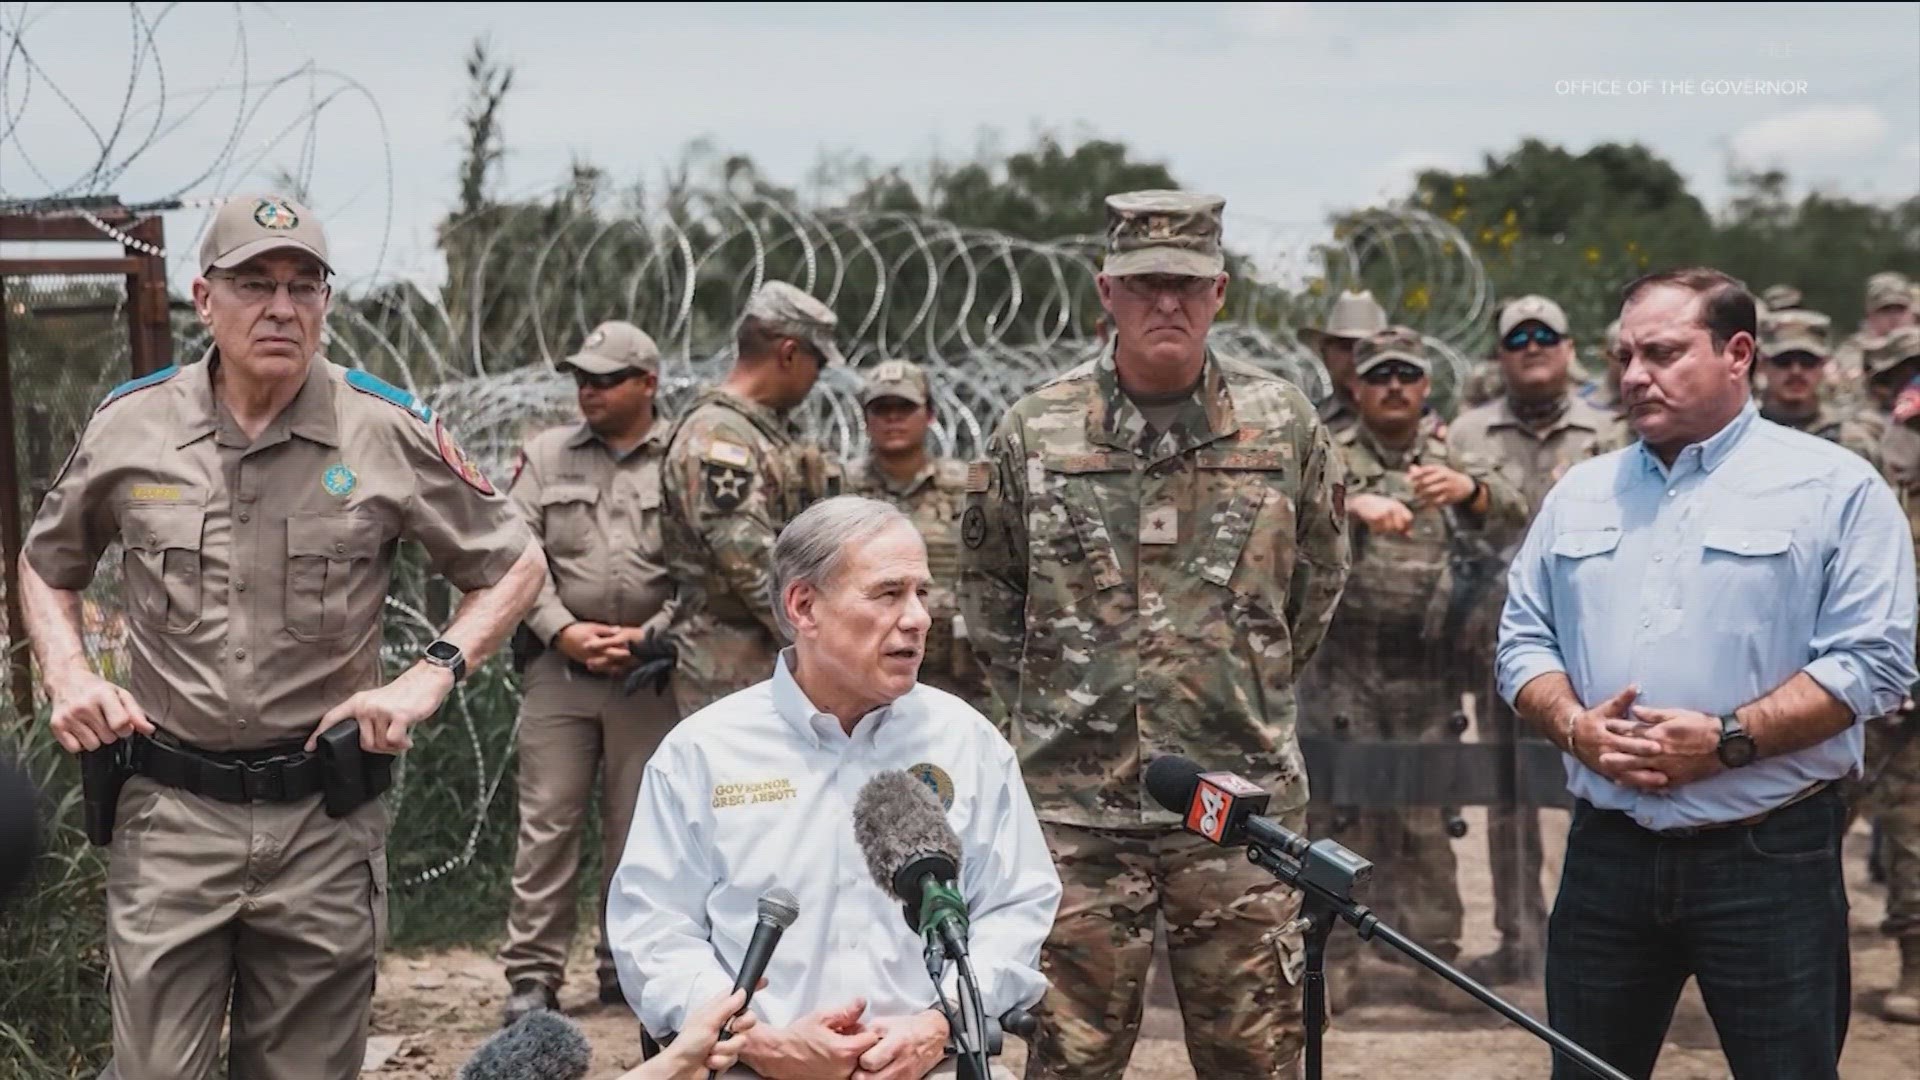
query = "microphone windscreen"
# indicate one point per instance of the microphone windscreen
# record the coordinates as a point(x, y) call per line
point(19, 827)
point(780, 906)
point(898, 821)
point(542, 1045)
point(1171, 780)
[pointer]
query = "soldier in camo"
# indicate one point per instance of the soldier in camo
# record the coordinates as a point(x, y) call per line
point(1781, 298)
point(1151, 550)
point(1796, 361)
point(1533, 433)
point(1889, 790)
point(733, 477)
point(1393, 668)
point(1890, 305)
point(1353, 317)
point(898, 402)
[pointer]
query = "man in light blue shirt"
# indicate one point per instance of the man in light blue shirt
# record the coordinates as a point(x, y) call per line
point(1701, 621)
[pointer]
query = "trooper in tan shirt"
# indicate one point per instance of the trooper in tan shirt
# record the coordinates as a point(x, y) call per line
point(590, 492)
point(258, 496)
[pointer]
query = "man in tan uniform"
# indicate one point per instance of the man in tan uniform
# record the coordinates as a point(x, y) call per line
point(734, 476)
point(1153, 547)
point(259, 496)
point(1533, 433)
point(590, 492)
point(1354, 316)
point(898, 402)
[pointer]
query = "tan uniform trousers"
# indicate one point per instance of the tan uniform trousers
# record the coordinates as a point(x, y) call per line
point(574, 728)
point(273, 909)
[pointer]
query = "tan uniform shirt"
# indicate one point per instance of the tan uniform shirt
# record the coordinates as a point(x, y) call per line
point(1533, 460)
point(597, 514)
point(934, 499)
point(255, 573)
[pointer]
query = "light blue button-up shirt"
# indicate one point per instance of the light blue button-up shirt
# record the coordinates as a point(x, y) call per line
point(1762, 553)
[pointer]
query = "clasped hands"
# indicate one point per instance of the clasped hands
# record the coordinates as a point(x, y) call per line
point(1648, 749)
point(835, 1044)
point(1433, 485)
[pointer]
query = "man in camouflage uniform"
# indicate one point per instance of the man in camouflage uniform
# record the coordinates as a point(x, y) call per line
point(1889, 305)
point(1533, 434)
point(734, 476)
point(1354, 316)
point(1889, 790)
point(898, 402)
point(590, 492)
point(1796, 359)
point(1392, 665)
point(1152, 549)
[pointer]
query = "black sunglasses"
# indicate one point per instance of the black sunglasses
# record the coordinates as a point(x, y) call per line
point(602, 382)
point(1796, 359)
point(1406, 374)
point(1544, 336)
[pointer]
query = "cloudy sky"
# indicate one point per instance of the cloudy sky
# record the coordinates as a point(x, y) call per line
point(1288, 110)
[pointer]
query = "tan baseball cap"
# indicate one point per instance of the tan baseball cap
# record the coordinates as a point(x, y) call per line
point(250, 225)
point(1532, 309)
point(1354, 315)
point(896, 379)
point(1889, 289)
point(1889, 352)
point(616, 346)
point(1393, 343)
point(787, 310)
point(1164, 232)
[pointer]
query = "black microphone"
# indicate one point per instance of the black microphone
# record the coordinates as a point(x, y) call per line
point(542, 1045)
point(778, 908)
point(913, 854)
point(1226, 809)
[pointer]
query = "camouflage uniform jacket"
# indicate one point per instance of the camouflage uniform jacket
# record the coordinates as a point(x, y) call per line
point(1136, 594)
point(733, 477)
point(934, 499)
point(1851, 431)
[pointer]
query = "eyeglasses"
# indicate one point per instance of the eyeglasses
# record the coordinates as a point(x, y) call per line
point(1149, 286)
point(1405, 374)
point(1796, 359)
point(260, 289)
point(608, 381)
point(1544, 336)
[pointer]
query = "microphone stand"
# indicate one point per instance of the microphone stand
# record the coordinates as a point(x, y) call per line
point(1325, 874)
point(966, 1020)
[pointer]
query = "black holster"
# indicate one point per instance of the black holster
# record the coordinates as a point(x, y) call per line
point(351, 777)
point(103, 773)
point(525, 647)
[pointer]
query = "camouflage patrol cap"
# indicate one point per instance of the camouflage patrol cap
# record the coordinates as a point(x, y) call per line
point(1354, 315)
point(1164, 232)
point(616, 346)
point(1804, 319)
point(1393, 343)
point(1781, 297)
point(1889, 289)
point(786, 310)
point(896, 379)
point(246, 226)
point(1532, 309)
point(1887, 353)
point(1795, 336)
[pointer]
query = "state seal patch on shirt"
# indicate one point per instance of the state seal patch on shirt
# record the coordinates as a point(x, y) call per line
point(936, 779)
point(339, 481)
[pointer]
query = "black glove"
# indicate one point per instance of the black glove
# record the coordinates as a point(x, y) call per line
point(657, 658)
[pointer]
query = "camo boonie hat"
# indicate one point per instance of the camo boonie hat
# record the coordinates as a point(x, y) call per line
point(1393, 343)
point(246, 226)
point(616, 346)
point(1164, 232)
point(1889, 289)
point(896, 379)
point(1889, 352)
point(789, 311)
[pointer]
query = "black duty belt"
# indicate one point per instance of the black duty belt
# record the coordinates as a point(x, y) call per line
point(285, 773)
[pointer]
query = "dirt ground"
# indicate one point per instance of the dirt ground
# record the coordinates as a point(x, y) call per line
point(433, 1010)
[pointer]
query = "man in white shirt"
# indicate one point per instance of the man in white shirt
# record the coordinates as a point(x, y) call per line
point(758, 790)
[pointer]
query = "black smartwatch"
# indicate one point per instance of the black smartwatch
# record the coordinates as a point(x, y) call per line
point(446, 654)
point(1736, 746)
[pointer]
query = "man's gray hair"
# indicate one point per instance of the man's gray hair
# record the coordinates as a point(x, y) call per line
point(812, 546)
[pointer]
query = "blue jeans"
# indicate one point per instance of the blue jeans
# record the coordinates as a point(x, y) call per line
point(1757, 913)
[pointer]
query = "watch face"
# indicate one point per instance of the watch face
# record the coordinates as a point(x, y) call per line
point(444, 650)
point(1737, 751)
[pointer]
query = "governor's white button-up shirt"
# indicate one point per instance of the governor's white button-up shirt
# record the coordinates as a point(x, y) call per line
point(757, 790)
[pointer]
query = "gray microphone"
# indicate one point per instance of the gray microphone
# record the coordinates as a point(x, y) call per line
point(542, 1045)
point(777, 910)
point(913, 854)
